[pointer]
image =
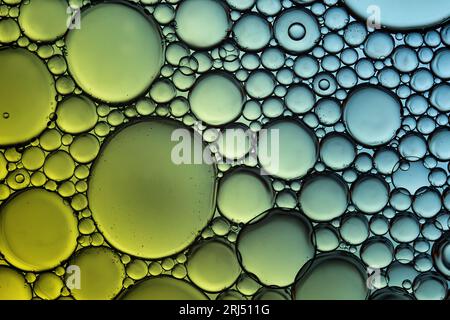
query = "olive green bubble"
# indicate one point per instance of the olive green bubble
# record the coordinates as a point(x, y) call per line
point(37, 230)
point(114, 62)
point(144, 203)
point(163, 288)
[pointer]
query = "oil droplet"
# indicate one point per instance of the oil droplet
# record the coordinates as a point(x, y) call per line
point(288, 245)
point(213, 266)
point(412, 14)
point(76, 114)
point(37, 230)
point(252, 32)
point(163, 288)
point(48, 286)
point(114, 62)
point(9, 31)
point(370, 194)
point(287, 149)
point(43, 20)
point(217, 98)
point(332, 276)
point(243, 195)
point(101, 274)
point(28, 96)
point(337, 151)
point(324, 197)
point(372, 115)
point(202, 23)
point(84, 148)
point(297, 31)
point(13, 285)
point(391, 293)
point(271, 294)
point(137, 269)
point(136, 192)
point(59, 166)
point(3, 167)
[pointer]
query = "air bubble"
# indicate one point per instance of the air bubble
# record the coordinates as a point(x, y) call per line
point(163, 288)
point(213, 266)
point(288, 246)
point(252, 32)
point(372, 115)
point(332, 276)
point(31, 218)
point(324, 197)
point(296, 30)
point(25, 82)
point(415, 14)
point(130, 201)
point(98, 61)
point(216, 98)
point(202, 24)
point(287, 149)
point(44, 20)
point(243, 195)
point(14, 285)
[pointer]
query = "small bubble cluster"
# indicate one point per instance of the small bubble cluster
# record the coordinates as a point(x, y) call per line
point(355, 207)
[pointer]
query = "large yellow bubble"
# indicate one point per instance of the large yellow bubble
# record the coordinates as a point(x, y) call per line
point(27, 92)
point(143, 202)
point(44, 20)
point(37, 230)
point(101, 274)
point(116, 53)
point(164, 288)
point(13, 285)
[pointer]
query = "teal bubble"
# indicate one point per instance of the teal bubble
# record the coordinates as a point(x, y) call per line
point(440, 97)
point(372, 115)
point(400, 199)
point(354, 228)
point(404, 228)
point(306, 66)
point(327, 237)
point(336, 18)
point(260, 84)
point(439, 144)
point(300, 99)
point(379, 45)
point(430, 286)
point(377, 252)
point(337, 151)
point(252, 32)
point(296, 30)
point(324, 197)
point(412, 147)
point(427, 202)
point(370, 194)
point(287, 148)
point(355, 33)
point(328, 111)
point(217, 98)
point(413, 14)
point(391, 293)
